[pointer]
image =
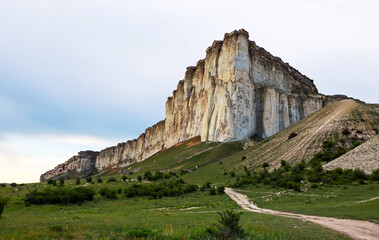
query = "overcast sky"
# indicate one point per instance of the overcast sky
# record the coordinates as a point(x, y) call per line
point(86, 74)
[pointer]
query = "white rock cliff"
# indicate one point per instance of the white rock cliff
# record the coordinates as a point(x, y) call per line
point(239, 90)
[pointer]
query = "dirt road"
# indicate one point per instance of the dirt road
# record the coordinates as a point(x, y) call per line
point(354, 228)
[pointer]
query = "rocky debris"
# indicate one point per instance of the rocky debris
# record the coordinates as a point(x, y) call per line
point(237, 91)
point(364, 157)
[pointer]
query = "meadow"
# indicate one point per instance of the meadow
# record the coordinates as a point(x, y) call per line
point(184, 217)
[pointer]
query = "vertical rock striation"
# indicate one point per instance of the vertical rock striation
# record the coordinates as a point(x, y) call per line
point(239, 90)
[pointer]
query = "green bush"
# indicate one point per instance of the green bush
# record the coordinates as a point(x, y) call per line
point(103, 191)
point(89, 179)
point(112, 179)
point(265, 165)
point(52, 182)
point(124, 178)
point(111, 194)
point(375, 175)
point(99, 180)
point(212, 191)
point(3, 203)
point(221, 190)
point(139, 178)
point(154, 191)
point(78, 181)
point(3, 185)
point(229, 225)
point(59, 196)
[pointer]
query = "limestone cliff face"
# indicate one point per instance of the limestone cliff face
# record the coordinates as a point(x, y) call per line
point(83, 162)
point(133, 151)
point(239, 90)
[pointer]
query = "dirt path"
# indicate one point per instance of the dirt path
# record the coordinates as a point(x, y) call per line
point(354, 228)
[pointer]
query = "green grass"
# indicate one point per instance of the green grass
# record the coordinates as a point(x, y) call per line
point(168, 218)
point(341, 201)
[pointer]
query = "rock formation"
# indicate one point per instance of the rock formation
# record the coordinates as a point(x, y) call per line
point(239, 90)
point(83, 162)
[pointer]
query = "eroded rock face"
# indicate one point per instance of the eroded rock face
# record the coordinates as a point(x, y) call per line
point(239, 90)
point(84, 161)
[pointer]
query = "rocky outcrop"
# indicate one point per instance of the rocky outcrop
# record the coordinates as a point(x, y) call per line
point(364, 157)
point(83, 162)
point(239, 90)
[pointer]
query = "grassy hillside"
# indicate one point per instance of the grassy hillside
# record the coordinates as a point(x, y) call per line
point(188, 216)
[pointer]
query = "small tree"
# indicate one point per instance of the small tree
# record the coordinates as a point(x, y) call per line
point(99, 180)
point(61, 181)
point(229, 225)
point(221, 190)
point(89, 179)
point(78, 181)
point(265, 165)
point(124, 178)
point(52, 182)
point(212, 191)
point(3, 203)
point(139, 178)
point(112, 179)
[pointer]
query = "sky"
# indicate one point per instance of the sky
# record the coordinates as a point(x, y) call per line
point(87, 74)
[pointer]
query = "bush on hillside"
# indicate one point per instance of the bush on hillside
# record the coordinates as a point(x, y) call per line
point(89, 179)
point(229, 226)
point(154, 191)
point(60, 196)
point(99, 180)
point(112, 179)
point(3, 203)
point(292, 135)
point(52, 182)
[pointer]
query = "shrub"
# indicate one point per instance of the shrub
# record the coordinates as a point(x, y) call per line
point(3, 203)
point(119, 190)
point(232, 174)
point(283, 163)
point(103, 191)
point(265, 165)
point(61, 181)
point(89, 179)
point(78, 181)
point(345, 131)
point(292, 135)
point(221, 190)
point(124, 178)
point(375, 175)
point(99, 180)
point(212, 191)
point(111, 194)
point(112, 179)
point(359, 174)
point(139, 178)
point(148, 175)
point(52, 182)
point(229, 225)
point(207, 184)
point(59, 196)
point(314, 185)
point(3, 185)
